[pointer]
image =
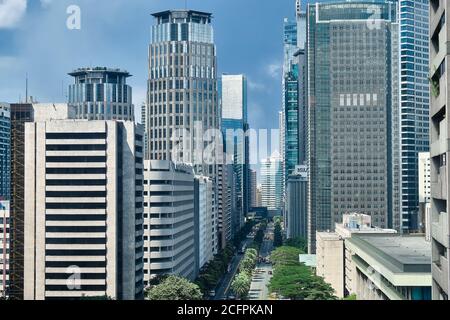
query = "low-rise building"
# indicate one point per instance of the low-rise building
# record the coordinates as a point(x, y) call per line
point(390, 267)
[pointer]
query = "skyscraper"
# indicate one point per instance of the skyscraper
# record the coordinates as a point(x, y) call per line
point(5, 151)
point(83, 210)
point(439, 153)
point(296, 222)
point(182, 85)
point(353, 124)
point(414, 103)
point(234, 124)
point(272, 179)
point(5, 236)
point(253, 187)
point(101, 94)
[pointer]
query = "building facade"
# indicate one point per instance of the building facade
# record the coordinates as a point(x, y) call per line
point(414, 103)
point(5, 237)
point(424, 218)
point(439, 151)
point(234, 126)
point(83, 210)
point(353, 133)
point(101, 94)
point(296, 220)
point(21, 114)
point(206, 242)
point(253, 188)
point(5, 151)
point(271, 182)
point(169, 220)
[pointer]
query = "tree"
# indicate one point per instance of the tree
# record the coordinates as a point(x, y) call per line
point(285, 256)
point(277, 235)
point(247, 265)
point(241, 284)
point(174, 288)
point(298, 242)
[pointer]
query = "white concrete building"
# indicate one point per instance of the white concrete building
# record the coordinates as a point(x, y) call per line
point(4, 247)
point(334, 260)
point(169, 217)
point(206, 242)
point(83, 210)
point(272, 182)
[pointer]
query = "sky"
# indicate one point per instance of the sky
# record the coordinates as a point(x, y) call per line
point(34, 40)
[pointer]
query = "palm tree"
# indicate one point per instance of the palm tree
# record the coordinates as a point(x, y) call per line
point(241, 285)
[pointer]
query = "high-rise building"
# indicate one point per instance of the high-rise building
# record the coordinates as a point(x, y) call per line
point(259, 196)
point(5, 236)
point(169, 220)
point(253, 187)
point(225, 195)
point(439, 153)
point(101, 94)
point(182, 85)
point(205, 223)
point(5, 151)
point(83, 210)
point(414, 103)
point(353, 117)
point(271, 179)
point(296, 221)
point(20, 114)
point(234, 125)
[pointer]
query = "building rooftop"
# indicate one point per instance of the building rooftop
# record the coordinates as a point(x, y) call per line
point(88, 70)
point(398, 253)
point(185, 12)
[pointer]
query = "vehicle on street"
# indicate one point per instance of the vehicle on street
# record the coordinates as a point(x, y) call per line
point(270, 272)
point(212, 293)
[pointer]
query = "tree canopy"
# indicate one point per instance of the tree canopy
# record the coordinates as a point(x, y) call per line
point(175, 288)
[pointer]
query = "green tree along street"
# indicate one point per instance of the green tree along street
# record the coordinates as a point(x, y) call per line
point(174, 288)
point(241, 284)
point(277, 234)
point(294, 280)
point(299, 242)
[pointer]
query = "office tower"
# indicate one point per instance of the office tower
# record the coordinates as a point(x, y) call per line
point(353, 116)
point(439, 153)
point(83, 210)
point(205, 222)
point(20, 114)
point(259, 196)
point(414, 103)
point(271, 179)
point(296, 204)
point(424, 218)
point(101, 94)
point(225, 189)
point(5, 151)
point(144, 124)
point(182, 85)
point(253, 187)
point(5, 237)
point(234, 125)
point(168, 220)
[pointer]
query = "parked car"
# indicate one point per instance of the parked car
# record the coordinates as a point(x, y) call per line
point(270, 272)
point(212, 293)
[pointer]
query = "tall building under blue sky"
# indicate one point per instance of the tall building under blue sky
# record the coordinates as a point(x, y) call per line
point(5, 151)
point(414, 102)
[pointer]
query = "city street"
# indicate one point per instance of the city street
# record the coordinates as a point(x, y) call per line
point(261, 277)
point(224, 287)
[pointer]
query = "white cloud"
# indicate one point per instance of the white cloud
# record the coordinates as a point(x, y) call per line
point(11, 12)
point(254, 85)
point(274, 70)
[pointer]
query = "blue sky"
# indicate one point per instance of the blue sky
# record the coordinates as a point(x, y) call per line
point(116, 33)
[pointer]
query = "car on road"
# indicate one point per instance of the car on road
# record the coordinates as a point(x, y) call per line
point(231, 297)
point(270, 272)
point(212, 293)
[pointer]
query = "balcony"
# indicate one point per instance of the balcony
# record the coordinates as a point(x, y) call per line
point(440, 272)
point(439, 229)
point(439, 186)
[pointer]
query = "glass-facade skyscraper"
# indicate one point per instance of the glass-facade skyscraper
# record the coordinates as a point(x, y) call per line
point(353, 132)
point(5, 151)
point(414, 102)
point(101, 94)
point(234, 124)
